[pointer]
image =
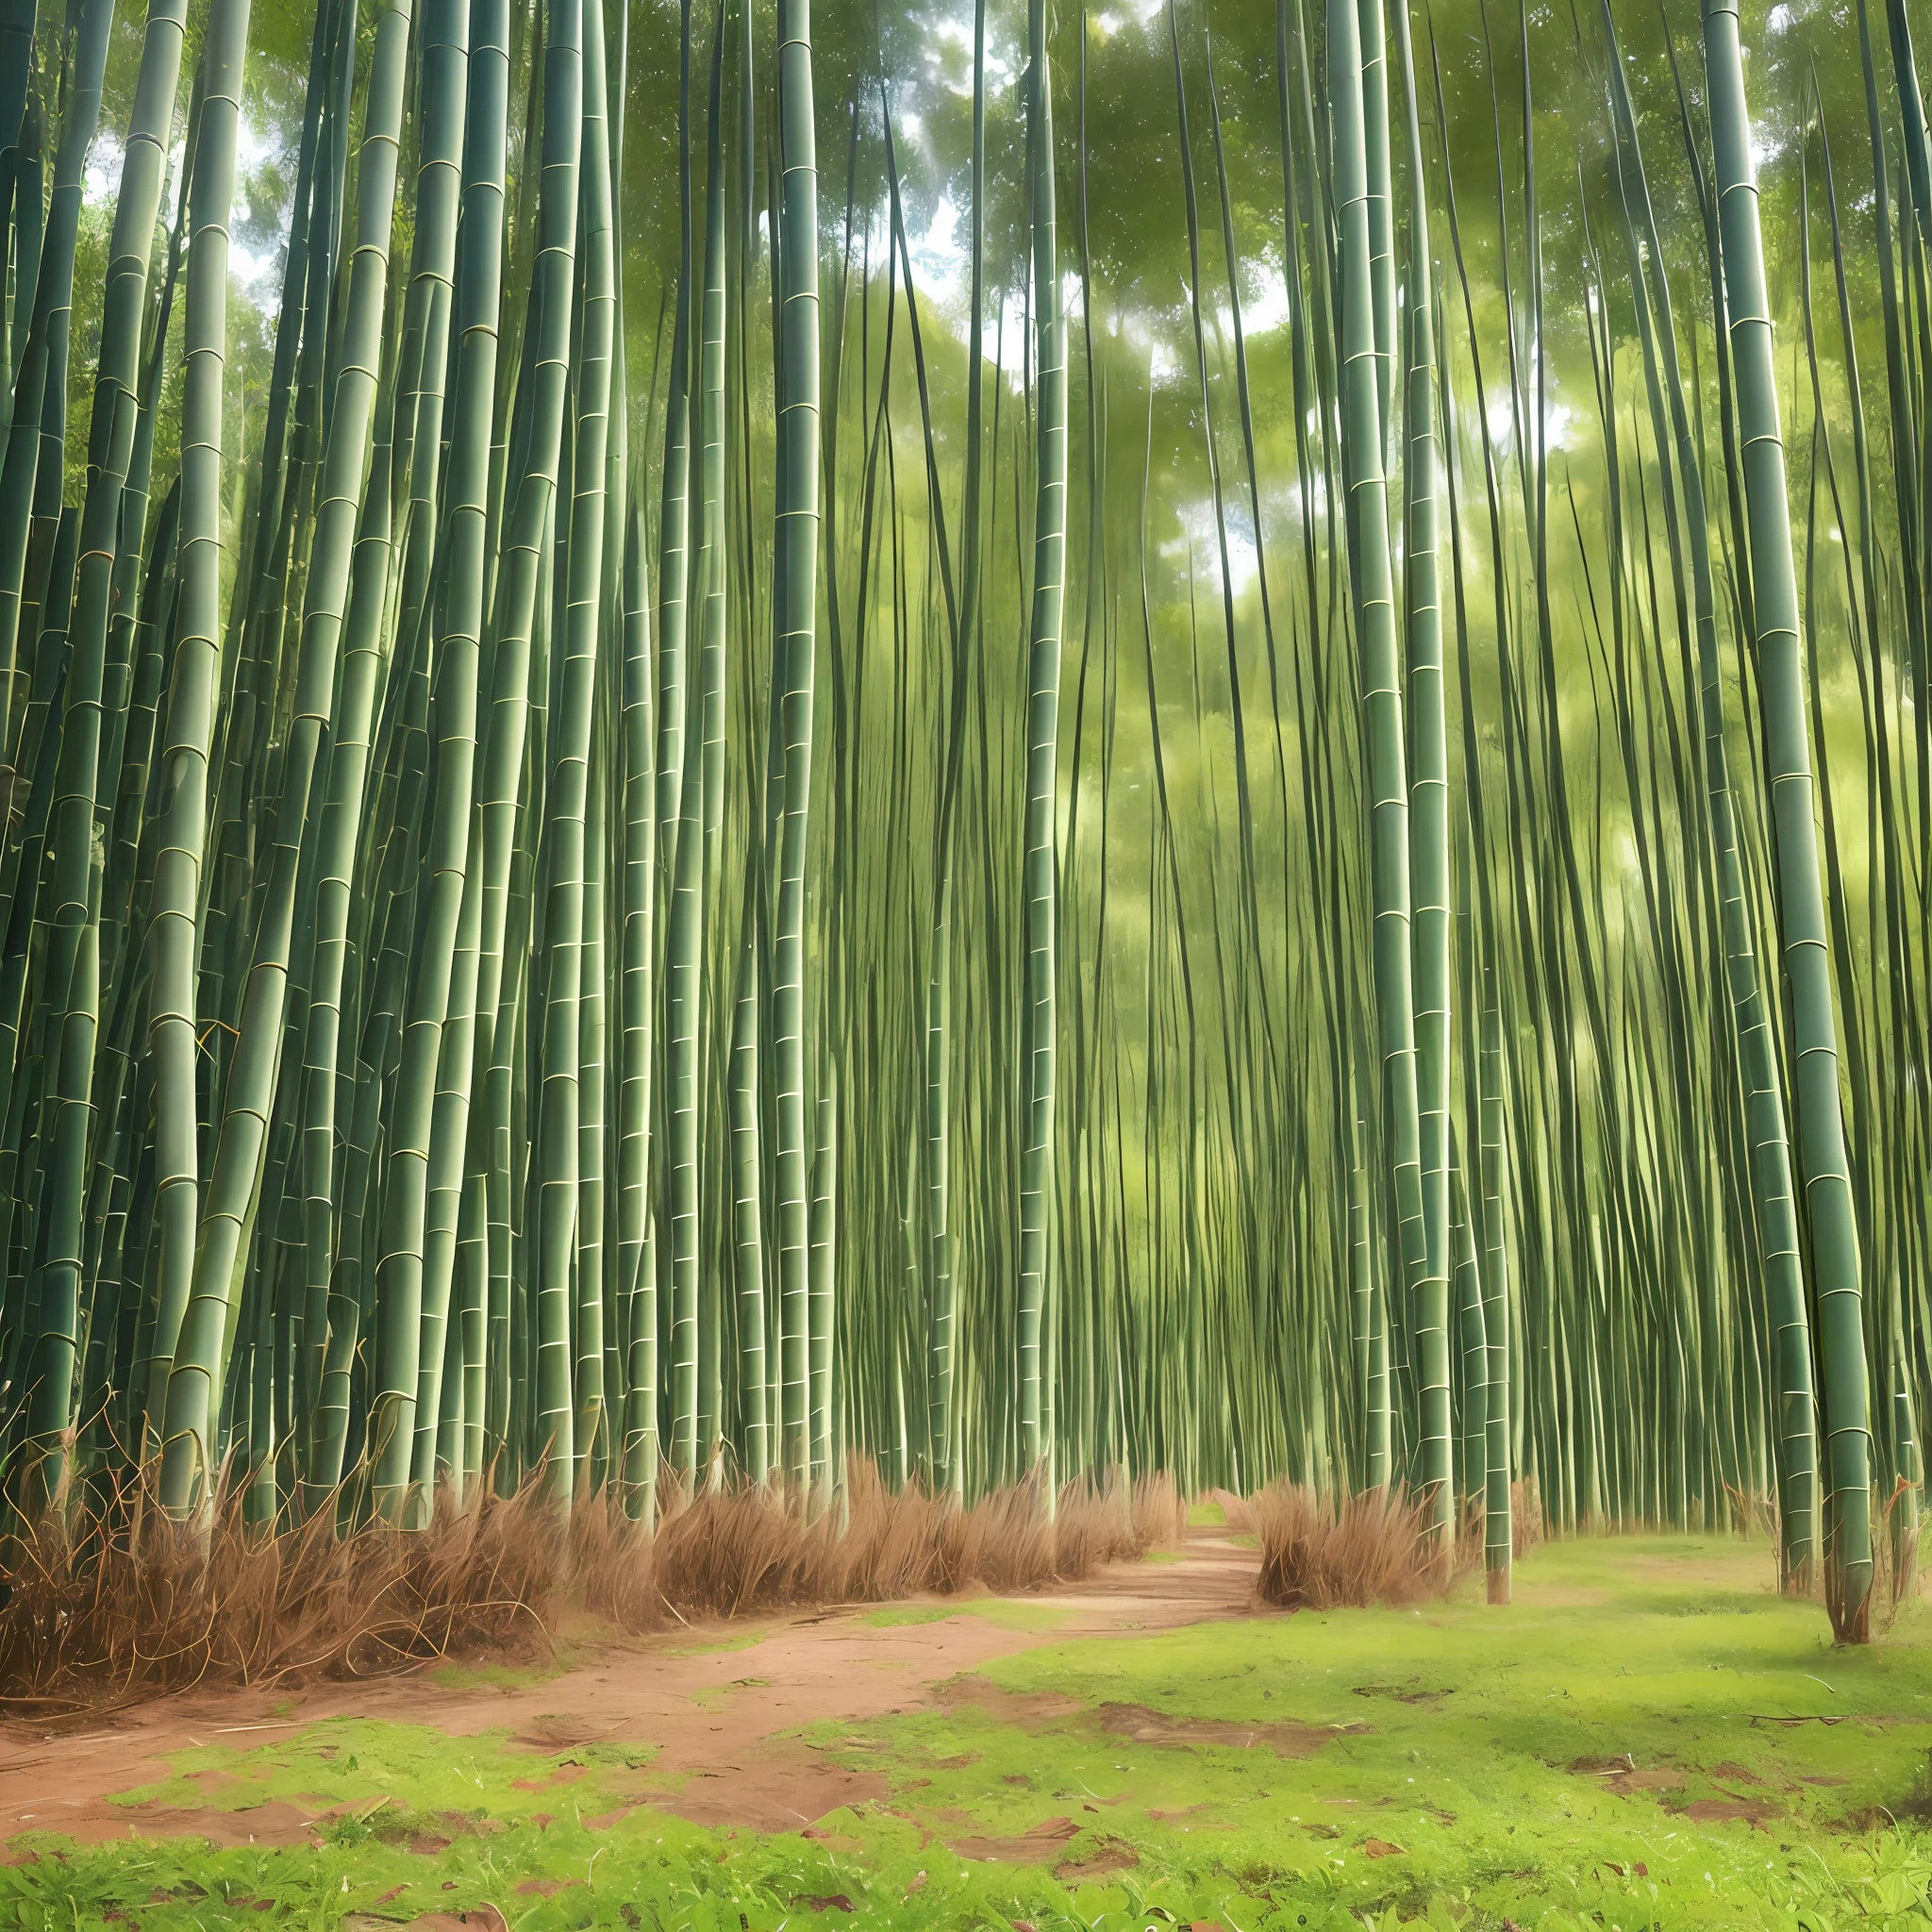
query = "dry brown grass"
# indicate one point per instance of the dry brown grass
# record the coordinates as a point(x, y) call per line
point(115, 1603)
point(1160, 1512)
point(1240, 1513)
point(1526, 1519)
point(730, 1551)
point(1318, 1554)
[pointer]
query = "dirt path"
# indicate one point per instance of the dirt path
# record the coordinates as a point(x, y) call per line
point(721, 1718)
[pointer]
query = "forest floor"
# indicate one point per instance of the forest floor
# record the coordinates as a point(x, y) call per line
point(1648, 1738)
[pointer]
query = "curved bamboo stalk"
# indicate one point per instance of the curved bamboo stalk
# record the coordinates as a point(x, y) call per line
point(1802, 933)
point(1769, 1154)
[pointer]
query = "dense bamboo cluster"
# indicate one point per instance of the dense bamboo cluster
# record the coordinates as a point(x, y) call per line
point(1181, 771)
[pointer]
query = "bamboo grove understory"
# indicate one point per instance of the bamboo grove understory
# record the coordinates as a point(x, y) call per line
point(1033, 740)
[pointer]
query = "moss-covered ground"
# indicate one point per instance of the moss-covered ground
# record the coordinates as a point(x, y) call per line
point(1648, 1738)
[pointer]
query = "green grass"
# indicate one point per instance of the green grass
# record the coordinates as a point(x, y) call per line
point(1007, 1612)
point(1449, 1774)
point(483, 1676)
point(716, 1642)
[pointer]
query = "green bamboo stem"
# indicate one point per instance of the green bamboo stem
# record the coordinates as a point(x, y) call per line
point(700, 802)
point(1378, 650)
point(1473, 1348)
point(74, 956)
point(636, 1255)
point(794, 605)
point(747, 1193)
point(395, 1357)
point(1041, 873)
point(1493, 1177)
point(240, 1147)
point(184, 1362)
point(1802, 932)
point(31, 472)
point(821, 1312)
point(942, 1347)
point(559, 1152)
point(1769, 1153)
point(1430, 930)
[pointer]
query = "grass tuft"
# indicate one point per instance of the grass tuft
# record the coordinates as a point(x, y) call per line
point(1370, 1548)
point(113, 1601)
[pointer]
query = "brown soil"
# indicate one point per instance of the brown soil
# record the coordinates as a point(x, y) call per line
point(1009, 1707)
point(1146, 1727)
point(484, 1919)
point(1035, 1847)
point(274, 1824)
point(723, 1721)
point(1620, 1775)
point(1134, 1721)
point(776, 1784)
point(1116, 1856)
point(1722, 1810)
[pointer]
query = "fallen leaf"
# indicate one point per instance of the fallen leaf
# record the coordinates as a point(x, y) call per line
point(1381, 1848)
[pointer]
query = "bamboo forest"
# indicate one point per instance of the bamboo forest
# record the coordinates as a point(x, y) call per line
point(938, 910)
